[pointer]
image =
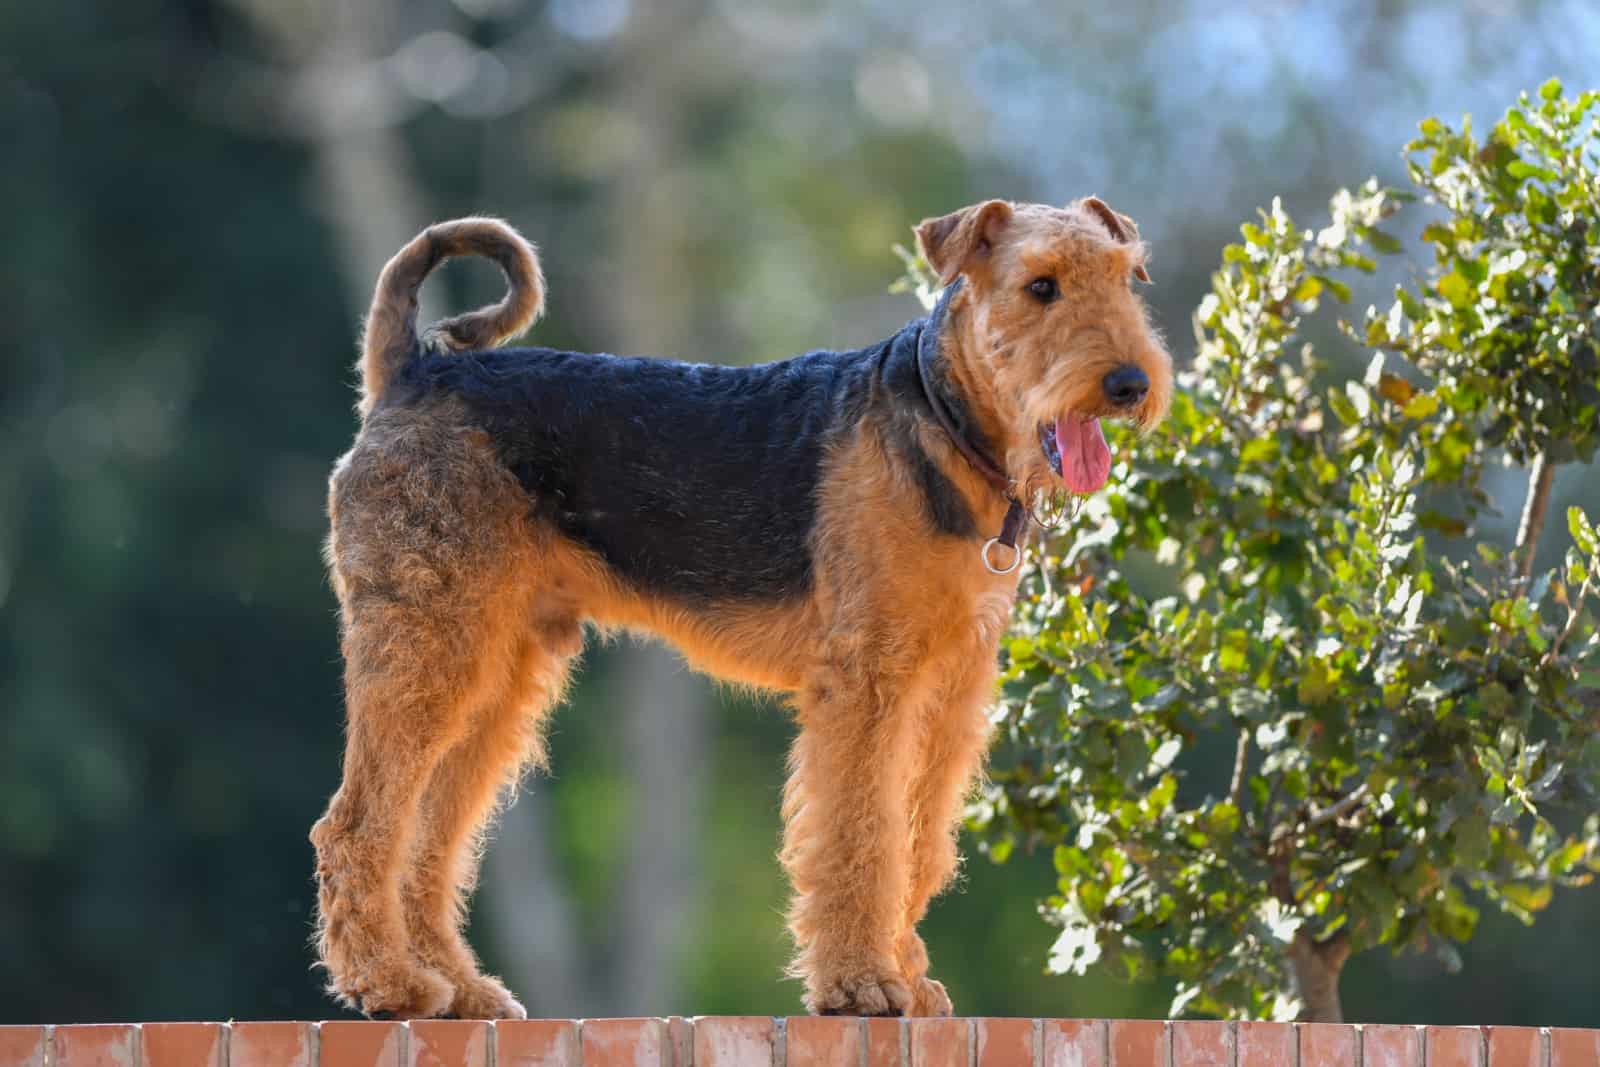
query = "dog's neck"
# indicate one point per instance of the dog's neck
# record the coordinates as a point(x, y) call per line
point(972, 427)
point(939, 379)
point(948, 402)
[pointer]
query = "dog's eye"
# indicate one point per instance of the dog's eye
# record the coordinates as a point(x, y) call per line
point(1045, 289)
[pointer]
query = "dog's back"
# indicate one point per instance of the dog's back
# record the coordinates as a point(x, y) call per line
point(690, 480)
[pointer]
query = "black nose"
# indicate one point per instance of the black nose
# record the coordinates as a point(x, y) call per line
point(1125, 386)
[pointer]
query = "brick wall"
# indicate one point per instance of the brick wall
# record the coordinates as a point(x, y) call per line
point(796, 1042)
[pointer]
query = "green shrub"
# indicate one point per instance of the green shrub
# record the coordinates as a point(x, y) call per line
point(1279, 570)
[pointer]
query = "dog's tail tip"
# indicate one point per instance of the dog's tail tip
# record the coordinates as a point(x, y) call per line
point(391, 335)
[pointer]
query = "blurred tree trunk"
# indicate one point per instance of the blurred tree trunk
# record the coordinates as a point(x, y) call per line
point(532, 918)
point(374, 205)
point(666, 710)
point(1317, 966)
point(663, 711)
point(336, 100)
point(666, 728)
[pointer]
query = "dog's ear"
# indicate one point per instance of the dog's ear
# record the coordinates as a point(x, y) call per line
point(1121, 226)
point(955, 242)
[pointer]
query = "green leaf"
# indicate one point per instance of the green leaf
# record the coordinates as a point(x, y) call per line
point(1421, 406)
point(1163, 756)
point(1529, 897)
point(1223, 819)
point(1360, 399)
point(1387, 244)
point(1335, 286)
point(1520, 169)
point(1233, 655)
point(1550, 90)
point(1456, 289)
point(1583, 534)
point(1568, 856)
point(1413, 308)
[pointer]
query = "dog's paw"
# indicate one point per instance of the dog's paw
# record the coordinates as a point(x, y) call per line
point(865, 994)
point(397, 991)
point(483, 997)
point(928, 997)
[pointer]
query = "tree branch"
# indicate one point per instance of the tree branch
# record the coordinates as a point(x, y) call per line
point(1540, 478)
point(1338, 808)
point(1574, 615)
point(1241, 756)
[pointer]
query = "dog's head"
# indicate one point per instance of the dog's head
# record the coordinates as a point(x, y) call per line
point(1047, 336)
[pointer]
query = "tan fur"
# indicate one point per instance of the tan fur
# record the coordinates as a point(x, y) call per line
point(461, 615)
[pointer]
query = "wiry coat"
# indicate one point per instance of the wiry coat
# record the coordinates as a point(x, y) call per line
point(692, 481)
point(805, 526)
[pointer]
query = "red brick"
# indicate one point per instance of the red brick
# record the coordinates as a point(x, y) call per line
point(96, 1046)
point(885, 1041)
point(536, 1043)
point(939, 1043)
point(733, 1041)
point(1574, 1048)
point(680, 1040)
point(182, 1044)
point(1327, 1045)
point(1453, 1046)
point(271, 1045)
point(1515, 1046)
point(1391, 1046)
point(1138, 1043)
point(1202, 1044)
point(1074, 1043)
point(625, 1043)
point(361, 1044)
point(823, 1041)
point(22, 1046)
point(1264, 1044)
point(1004, 1042)
point(448, 1043)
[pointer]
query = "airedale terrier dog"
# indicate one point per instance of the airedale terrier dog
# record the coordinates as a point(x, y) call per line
point(842, 528)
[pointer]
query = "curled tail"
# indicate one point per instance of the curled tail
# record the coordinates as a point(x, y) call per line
point(391, 337)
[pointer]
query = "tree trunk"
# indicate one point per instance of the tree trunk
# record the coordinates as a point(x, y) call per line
point(365, 185)
point(1317, 966)
point(1540, 478)
point(665, 733)
point(531, 913)
point(374, 205)
point(666, 711)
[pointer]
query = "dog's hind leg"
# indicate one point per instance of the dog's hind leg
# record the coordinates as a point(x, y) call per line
point(460, 800)
point(406, 709)
point(430, 554)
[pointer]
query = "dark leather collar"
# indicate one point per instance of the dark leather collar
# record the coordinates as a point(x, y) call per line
point(981, 461)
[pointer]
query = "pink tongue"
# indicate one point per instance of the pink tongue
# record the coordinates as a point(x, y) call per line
point(1085, 459)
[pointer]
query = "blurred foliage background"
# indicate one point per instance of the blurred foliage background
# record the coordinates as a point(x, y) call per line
point(199, 194)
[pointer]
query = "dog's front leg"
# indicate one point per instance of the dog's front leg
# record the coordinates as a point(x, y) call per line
point(846, 842)
point(952, 737)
